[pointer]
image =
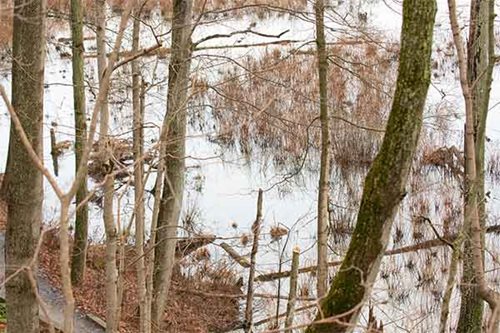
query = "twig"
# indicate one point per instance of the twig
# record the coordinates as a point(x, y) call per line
point(134, 56)
point(426, 219)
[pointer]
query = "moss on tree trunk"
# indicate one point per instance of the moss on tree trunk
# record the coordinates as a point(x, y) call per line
point(385, 183)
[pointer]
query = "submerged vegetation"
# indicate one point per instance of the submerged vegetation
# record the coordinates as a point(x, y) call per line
point(208, 102)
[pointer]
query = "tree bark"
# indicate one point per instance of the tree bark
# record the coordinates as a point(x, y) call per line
point(5, 14)
point(81, 220)
point(385, 183)
point(100, 17)
point(173, 139)
point(480, 63)
point(138, 146)
point(471, 211)
point(324, 177)
point(23, 182)
point(108, 215)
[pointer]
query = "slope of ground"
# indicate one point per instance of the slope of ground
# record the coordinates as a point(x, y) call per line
point(196, 303)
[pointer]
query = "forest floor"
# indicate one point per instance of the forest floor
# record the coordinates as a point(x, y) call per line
point(54, 300)
point(197, 302)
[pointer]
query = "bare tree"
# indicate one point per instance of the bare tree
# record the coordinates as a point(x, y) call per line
point(81, 221)
point(386, 180)
point(106, 150)
point(172, 149)
point(472, 223)
point(480, 63)
point(324, 177)
point(100, 22)
point(138, 143)
point(22, 187)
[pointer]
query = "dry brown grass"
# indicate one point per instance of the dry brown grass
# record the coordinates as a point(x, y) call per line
point(449, 160)
point(271, 104)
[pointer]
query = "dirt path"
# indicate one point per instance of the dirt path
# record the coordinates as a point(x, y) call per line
point(54, 300)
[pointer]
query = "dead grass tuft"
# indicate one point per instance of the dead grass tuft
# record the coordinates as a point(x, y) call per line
point(446, 159)
point(115, 155)
point(277, 232)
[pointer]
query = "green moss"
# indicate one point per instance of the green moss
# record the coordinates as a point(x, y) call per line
point(386, 180)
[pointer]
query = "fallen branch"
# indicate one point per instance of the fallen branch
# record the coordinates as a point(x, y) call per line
point(410, 248)
point(241, 260)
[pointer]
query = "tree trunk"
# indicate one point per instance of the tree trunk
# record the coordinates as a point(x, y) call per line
point(138, 119)
point(385, 183)
point(324, 177)
point(81, 221)
point(108, 215)
point(100, 17)
point(5, 14)
point(480, 62)
point(23, 182)
point(173, 139)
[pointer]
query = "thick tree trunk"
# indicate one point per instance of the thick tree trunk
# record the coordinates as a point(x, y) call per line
point(480, 62)
point(385, 183)
point(173, 139)
point(81, 221)
point(138, 119)
point(23, 182)
point(324, 177)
